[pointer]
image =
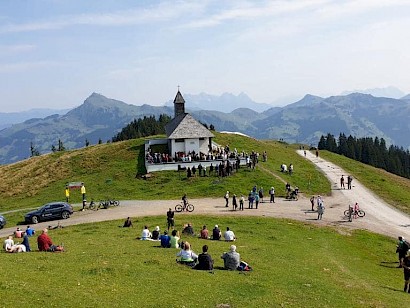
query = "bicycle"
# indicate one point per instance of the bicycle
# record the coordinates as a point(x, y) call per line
point(104, 204)
point(351, 213)
point(182, 207)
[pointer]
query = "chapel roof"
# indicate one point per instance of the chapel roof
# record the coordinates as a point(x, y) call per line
point(184, 126)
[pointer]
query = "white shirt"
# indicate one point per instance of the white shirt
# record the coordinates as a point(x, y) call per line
point(187, 255)
point(229, 236)
point(146, 234)
point(8, 244)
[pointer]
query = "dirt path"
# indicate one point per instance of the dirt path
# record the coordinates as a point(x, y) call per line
point(380, 217)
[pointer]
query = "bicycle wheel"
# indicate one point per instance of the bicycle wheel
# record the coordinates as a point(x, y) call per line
point(361, 213)
point(346, 213)
point(190, 207)
point(116, 202)
point(92, 205)
point(178, 208)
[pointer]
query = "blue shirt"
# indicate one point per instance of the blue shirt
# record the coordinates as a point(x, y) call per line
point(165, 240)
point(30, 232)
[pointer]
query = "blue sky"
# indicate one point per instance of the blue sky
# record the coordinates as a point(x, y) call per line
point(55, 53)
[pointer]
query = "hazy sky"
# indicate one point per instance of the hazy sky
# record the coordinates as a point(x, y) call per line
point(55, 53)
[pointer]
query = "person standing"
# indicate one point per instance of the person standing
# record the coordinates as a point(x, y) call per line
point(402, 249)
point(170, 219)
point(405, 263)
point(234, 202)
point(67, 194)
point(227, 199)
point(256, 200)
point(342, 182)
point(320, 209)
point(250, 199)
point(312, 202)
point(272, 194)
point(349, 182)
point(83, 195)
point(260, 193)
point(241, 202)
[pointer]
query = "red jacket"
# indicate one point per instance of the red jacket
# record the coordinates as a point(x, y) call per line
point(44, 242)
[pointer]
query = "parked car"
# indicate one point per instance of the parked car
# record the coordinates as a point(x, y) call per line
point(49, 211)
point(2, 221)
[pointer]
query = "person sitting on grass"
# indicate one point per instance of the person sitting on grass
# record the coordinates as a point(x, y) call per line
point(232, 259)
point(127, 223)
point(174, 239)
point(204, 233)
point(205, 262)
point(188, 257)
point(18, 233)
point(188, 230)
point(45, 243)
point(155, 234)
point(26, 243)
point(10, 247)
point(30, 231)
point(146, 234)
point(229, 235)
point(216, 233)
point(165, 240)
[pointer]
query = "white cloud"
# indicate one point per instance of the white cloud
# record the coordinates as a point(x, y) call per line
point(163, 12)
point(25, 66)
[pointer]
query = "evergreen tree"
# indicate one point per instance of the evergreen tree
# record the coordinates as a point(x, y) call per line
point(147, 126)
point(60, 146)
point(33, 150)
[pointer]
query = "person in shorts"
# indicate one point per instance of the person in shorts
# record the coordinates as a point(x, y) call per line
point(170, 219)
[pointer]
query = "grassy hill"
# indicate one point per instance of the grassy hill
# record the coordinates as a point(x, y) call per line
point(295, 264)
point(112, 171)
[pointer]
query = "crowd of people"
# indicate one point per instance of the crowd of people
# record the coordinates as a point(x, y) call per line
point(186, 254)
point(44, 242)
point(254, 198)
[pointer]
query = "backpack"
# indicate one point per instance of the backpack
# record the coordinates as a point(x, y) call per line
point(405, 246)
point(244, 267)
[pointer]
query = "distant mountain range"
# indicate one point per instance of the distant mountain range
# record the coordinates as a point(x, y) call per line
point(303, 121)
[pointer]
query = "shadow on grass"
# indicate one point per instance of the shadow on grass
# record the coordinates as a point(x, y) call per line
point(392, 289)
point(389, 264)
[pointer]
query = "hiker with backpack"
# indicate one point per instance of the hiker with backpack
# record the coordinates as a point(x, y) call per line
point(402, 248)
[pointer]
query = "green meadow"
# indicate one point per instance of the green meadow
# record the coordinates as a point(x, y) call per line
point(295, 264)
